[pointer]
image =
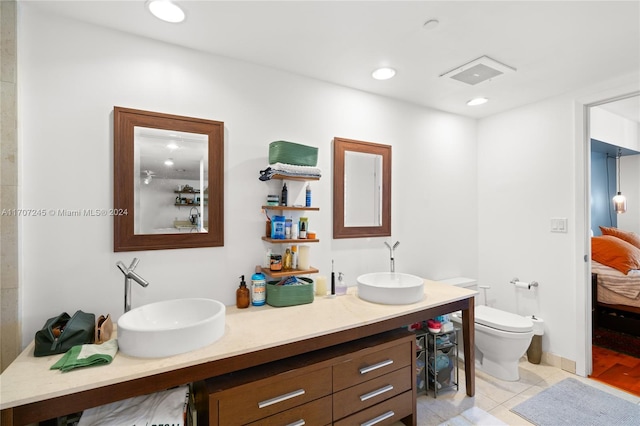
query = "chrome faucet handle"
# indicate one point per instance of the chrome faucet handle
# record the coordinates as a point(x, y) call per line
point(137, 278)
point(122, 268)
point(134, 263)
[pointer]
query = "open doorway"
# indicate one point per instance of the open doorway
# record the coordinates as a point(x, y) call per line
point(615, 170)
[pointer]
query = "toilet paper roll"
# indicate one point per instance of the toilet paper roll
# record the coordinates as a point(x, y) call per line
point(538, 325)
point(522, 284)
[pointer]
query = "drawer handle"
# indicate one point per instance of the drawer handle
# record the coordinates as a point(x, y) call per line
point(376, 393)
point(297, 423)
point(379, 419)
point(280, 398)
point(365, 370)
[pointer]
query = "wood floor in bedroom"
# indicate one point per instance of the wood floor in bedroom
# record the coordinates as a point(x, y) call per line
point(616, 369)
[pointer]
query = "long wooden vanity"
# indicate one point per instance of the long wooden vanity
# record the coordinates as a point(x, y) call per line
point(328, 339)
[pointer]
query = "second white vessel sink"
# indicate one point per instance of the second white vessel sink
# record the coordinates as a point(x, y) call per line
point(390, 288)
point(170, 327)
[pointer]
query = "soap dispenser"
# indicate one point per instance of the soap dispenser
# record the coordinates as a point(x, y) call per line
point(341, 287)
point(242, 295)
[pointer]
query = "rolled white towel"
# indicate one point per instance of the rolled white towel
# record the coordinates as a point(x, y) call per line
point(166, 407)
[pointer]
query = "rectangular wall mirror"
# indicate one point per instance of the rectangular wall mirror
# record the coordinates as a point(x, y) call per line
point(168, 178)
point(361, 189)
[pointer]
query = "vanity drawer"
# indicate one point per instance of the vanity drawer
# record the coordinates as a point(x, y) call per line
point(263, 398)
point(317, 412)
point(371, 392)
point(385, 413)
point(370, 365)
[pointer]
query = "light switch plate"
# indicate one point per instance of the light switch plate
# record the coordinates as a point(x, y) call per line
point(559, 224)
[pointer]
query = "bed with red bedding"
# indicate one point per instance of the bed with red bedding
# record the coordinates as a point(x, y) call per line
point(615, 268)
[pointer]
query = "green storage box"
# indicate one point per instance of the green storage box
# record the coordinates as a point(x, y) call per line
point(292, 153)
point(289, 295)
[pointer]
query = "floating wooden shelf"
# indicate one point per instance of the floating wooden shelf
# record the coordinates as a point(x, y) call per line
point(299, 208)
point(280, 274)
point(299, 240)
point(283, 177)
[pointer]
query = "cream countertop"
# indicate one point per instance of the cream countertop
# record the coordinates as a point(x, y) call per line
point(28, 379)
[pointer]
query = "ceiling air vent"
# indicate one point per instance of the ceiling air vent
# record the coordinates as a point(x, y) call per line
point(482, 69)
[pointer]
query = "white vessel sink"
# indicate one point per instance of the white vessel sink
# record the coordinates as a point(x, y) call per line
point(170, 327)
point(390, 288)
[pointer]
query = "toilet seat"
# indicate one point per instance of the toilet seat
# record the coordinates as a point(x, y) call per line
point(501, 320)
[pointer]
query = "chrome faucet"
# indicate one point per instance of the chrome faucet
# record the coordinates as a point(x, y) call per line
point(129, 275)
point(391, 249)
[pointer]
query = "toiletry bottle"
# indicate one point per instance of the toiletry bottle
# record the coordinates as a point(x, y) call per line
point(276, 262)
point(303, 228)
point(267, 259)
point(307, 199)
point(284, 196)
point(242, 295)
point(287, 228)
point(287, 261)
point(258, 288)
point(341, 287)
point(294, 257)
point(268, 229)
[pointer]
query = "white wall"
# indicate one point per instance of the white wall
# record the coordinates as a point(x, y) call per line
point(526, 169)
point(532, 166)
point(71, 75)
point(614, 129)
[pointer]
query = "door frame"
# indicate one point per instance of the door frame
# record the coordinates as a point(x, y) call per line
point(584, 306)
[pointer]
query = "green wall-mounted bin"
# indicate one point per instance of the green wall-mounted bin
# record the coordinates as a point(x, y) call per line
point(292, 153)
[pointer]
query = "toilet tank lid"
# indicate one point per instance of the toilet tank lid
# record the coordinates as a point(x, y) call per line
point(460, 281)
point(502, 320)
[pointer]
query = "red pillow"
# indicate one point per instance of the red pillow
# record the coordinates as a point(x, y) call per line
point(615, 253)
point(630, 237)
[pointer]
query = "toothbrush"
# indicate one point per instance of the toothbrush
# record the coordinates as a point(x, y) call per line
point(333, 280)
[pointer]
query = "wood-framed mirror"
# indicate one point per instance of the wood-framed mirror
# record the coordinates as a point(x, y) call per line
point(361, 189)
point(168, 181)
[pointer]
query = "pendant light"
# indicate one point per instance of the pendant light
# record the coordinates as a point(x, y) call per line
point(619, 201)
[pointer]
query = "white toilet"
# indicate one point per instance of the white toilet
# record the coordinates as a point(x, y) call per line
point(501, 338)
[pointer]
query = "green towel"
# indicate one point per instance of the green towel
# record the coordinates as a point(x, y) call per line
point(87, 355)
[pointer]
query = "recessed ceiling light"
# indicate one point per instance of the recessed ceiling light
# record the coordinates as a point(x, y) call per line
point(168, 162)
point(477, 101)
point(166, 10)
point(383, 73)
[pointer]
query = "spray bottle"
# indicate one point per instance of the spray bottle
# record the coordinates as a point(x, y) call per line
point(307, 198)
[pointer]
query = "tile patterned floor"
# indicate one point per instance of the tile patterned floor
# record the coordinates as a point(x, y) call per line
point(497, 397)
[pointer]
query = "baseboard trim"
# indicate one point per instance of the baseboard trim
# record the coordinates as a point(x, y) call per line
point(554, 360)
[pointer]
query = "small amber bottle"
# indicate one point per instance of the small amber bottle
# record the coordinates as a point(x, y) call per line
point(287, 262)
point(243, 297)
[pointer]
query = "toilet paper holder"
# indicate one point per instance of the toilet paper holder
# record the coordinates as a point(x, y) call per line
point(522, 284)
